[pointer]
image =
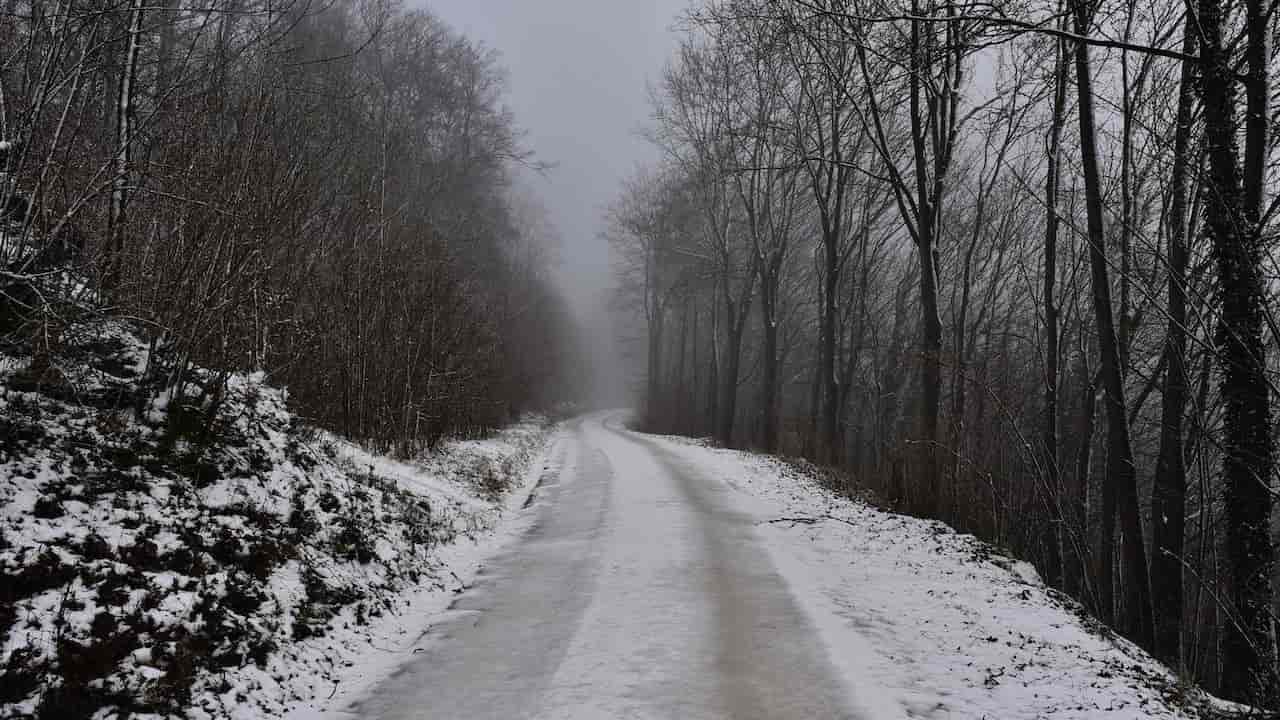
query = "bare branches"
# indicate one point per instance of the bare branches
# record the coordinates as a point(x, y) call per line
point(941, 172)
point(991, 16)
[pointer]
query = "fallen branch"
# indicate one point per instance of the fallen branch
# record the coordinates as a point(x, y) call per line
point(794, 520)
point(805, 520)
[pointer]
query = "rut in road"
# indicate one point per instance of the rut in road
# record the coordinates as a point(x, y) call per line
point(637, 593)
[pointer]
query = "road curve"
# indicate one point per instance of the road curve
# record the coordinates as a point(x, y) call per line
point(637, 593)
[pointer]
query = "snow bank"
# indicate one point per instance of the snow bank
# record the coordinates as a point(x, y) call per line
point(927, 623)
point(163, 556)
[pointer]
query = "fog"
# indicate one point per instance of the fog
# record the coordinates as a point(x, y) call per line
point(579, 72)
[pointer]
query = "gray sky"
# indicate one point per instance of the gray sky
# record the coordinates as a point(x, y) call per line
point(579, 71)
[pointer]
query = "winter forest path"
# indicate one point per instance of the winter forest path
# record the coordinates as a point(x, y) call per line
point(638, 592)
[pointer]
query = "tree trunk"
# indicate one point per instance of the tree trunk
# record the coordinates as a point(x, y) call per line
point(691, 423)
point(1052, 493)
point(681, 403)
point(737, 321)
point(815, 409)
point(125, 110)
point(769, 376)
point(891, 385)
point(713, 373)
point(729, 388)
point(931, 372)
point(1168, 496)
point(828, 446)
point(1080, 500)
point(1120, 471)
point(1233, 214)
point(653, 399)
point(928, 199)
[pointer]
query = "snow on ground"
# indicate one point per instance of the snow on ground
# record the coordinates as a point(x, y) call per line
point(162, 555)
point(924, 622)
point(323, 675)
point(367, 655)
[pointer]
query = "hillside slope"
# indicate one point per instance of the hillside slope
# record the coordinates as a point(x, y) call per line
point(164, 556)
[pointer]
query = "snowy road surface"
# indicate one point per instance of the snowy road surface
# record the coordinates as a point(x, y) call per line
point(659, 578)
point(641, 591)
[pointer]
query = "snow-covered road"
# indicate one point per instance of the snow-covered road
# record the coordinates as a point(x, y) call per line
point(659, 578)
point(640, 591)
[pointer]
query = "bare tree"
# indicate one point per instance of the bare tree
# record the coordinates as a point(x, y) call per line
point(1121, 484)
point(1233, 214)
point(1168, 501)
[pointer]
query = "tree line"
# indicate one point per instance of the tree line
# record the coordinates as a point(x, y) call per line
point(1008, 265)
point(319, 191)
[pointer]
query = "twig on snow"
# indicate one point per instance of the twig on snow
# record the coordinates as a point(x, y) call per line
point(794, 520)
point(805, 520)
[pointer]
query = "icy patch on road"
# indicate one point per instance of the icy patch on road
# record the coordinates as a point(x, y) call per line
point(927, 623)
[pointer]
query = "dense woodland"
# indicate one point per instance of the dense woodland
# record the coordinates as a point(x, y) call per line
point(319, 191)
point(1009, 265)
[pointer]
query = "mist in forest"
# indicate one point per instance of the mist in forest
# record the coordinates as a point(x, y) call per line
point(578, 73)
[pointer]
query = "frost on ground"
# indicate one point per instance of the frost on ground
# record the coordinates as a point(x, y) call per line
point(923, 622)
point(160, 557)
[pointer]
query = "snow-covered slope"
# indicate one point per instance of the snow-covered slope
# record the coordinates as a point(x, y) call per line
point(926, 623)
point(220, 560)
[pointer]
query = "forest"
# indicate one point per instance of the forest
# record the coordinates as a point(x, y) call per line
point(323, 193)
point(1007, 265)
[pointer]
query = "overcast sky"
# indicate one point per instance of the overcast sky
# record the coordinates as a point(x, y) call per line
point(579, 72)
